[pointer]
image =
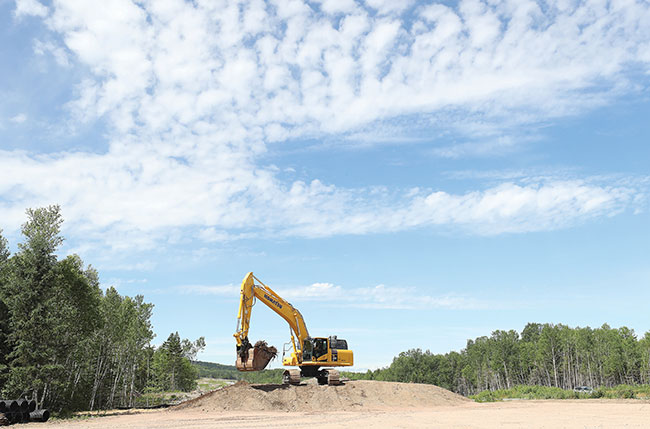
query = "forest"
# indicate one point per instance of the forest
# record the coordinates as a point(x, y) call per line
point(66, 342)
point(551, 355)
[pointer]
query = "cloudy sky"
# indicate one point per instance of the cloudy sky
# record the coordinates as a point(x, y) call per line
point(409, 174)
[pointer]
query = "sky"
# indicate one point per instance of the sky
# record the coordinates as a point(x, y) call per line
point(408, 174)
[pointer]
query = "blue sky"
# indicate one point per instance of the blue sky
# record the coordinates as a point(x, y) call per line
point(408, 174)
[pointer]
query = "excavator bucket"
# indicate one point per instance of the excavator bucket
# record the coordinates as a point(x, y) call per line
point(256, 358)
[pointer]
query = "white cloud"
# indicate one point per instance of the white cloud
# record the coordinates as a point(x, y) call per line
point(338, 6)
point(320, 291)
point(496, 146)
point(194, 92)
point(19, 118)
point(132, 198)
point(30, 8)
point(228, 290)
point(389, 6)
point(376, 297)
point(59, 53)
point(221, 71)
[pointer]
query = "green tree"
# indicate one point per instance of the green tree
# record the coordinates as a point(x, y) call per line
point(62, 341)
point(4, 249)
point(505, 355)
point(171, 363)
point(4, 311)
point(29, 287)
point(549, 353)
point(191, 349)
point(119, 350)
point(74, 306)
point(644, 351)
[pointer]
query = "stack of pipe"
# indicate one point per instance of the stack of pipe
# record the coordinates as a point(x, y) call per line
point(21, 411)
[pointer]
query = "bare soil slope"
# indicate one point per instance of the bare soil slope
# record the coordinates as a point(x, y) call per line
point(353, 395)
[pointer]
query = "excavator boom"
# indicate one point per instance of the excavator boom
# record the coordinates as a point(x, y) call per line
point(261, 354)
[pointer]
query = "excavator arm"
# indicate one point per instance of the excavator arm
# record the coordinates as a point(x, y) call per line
point(260, 355)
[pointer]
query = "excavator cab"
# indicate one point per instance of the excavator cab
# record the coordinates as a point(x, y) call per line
point(314, 349)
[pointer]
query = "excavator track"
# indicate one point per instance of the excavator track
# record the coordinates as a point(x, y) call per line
point(333, 377)
point(291, 376)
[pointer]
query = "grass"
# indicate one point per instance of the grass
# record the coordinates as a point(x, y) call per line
point(148, 399)
point(622, 391)
point(204, 385)
point(208, 384)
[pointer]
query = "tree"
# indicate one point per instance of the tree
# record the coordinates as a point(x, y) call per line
point(644, 350)
point(171, 363)
point(62, 341)
point(119, 350)
point(505, 350)
point(74, 308)
point(549, 353)
point(191, 349)
point(4, 249)
point(4, 311)
point(28, 290)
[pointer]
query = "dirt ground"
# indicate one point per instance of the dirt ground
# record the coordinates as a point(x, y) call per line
point(368, 404)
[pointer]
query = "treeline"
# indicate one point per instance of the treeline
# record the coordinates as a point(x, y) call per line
point(543, 354)
point(216, 370)
point(66, 343)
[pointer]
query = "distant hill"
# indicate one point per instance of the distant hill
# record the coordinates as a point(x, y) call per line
point(217, 370)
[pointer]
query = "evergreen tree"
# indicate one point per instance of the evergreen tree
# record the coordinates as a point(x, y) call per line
point(4, 311)
point(28, 290)
point(171, 363)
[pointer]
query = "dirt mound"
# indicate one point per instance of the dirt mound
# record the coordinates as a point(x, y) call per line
point(353, 395)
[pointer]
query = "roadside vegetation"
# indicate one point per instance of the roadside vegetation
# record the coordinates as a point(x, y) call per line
point(623, 391)
point(67, 343)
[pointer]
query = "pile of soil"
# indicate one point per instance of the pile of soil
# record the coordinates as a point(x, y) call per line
point(353, 395)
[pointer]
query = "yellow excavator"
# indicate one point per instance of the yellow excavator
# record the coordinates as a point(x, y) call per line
point(309, 354)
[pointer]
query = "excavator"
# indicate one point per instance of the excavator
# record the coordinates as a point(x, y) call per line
point(314, 357)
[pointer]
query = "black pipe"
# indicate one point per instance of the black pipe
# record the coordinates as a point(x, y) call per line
point(39, 415)
point(16, 417)
point(32, 405)
point(10, 405)
point(23, 404)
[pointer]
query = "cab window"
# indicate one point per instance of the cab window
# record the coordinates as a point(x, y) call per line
point(320, 347)
point(307, 350)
